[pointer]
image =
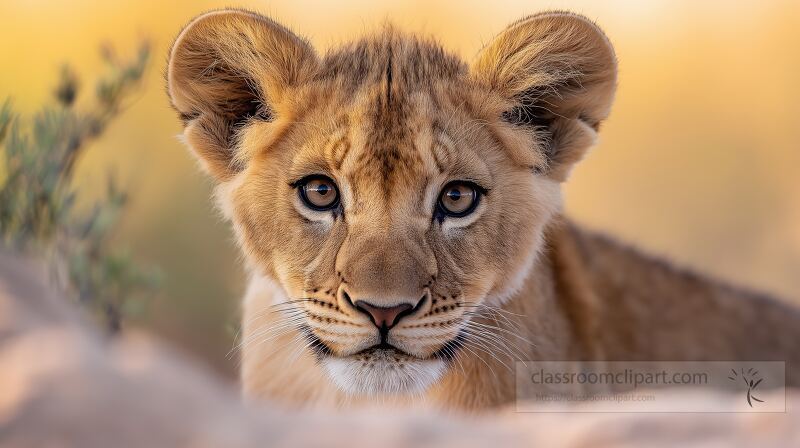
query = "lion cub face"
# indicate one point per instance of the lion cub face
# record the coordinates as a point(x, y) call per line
point(388, 222)
point(391, 192)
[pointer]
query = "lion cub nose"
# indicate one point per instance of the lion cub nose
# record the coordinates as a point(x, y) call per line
point(384, 317)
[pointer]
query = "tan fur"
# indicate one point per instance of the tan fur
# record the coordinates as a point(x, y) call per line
point(391, 119)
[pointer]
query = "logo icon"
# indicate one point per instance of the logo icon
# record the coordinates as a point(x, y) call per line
point(751, 380)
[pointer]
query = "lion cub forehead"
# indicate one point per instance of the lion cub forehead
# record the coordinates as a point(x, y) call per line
point(380, 107)
point(385, 151)
point(379, 149)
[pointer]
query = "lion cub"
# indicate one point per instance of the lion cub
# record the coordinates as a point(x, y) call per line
point(399, 214)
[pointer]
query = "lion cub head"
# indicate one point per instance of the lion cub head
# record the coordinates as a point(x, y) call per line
point(388, 188)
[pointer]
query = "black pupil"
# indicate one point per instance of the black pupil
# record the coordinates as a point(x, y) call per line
point(454, 195)
point(322, 189)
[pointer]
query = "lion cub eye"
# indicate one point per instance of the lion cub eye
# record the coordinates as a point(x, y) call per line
point(318, 193)
point(459, 198)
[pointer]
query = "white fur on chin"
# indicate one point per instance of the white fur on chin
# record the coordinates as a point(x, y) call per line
point(383, 375)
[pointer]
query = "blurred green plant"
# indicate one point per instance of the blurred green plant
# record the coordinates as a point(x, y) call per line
point(37, 199)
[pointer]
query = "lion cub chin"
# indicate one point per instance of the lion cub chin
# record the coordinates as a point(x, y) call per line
point(383, 371)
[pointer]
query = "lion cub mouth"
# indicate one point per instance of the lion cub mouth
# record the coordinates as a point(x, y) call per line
point(383, 349)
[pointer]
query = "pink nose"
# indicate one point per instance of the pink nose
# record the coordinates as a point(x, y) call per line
point(383, 317)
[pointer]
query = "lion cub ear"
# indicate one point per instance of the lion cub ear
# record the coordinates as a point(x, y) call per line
point(226, 69)
point(558, 72)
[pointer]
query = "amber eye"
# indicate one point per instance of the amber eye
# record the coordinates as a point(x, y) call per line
point(319, 193)
point(459, 198)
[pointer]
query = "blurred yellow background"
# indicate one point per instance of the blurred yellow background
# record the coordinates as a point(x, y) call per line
point(698, 162)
